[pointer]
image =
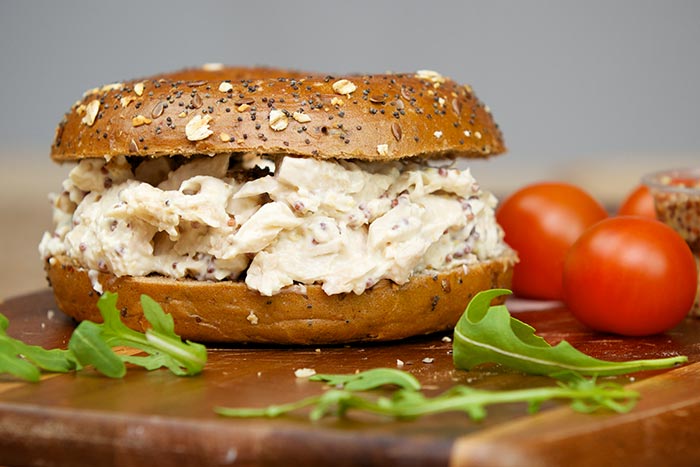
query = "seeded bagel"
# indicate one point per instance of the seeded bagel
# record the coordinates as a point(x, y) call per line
point(371, 124)
point(374, 117)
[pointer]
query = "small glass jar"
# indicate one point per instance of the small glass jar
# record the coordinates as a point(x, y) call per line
point(676, 195)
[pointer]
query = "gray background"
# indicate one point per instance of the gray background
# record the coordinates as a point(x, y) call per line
point(563, 78)
point(593, 92)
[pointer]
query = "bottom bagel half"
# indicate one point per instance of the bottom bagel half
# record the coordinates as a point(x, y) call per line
point(228, 311)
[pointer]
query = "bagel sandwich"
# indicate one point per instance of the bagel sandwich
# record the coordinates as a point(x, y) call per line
point(275, 206)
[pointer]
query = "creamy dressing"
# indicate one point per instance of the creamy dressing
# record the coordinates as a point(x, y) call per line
point(343, 225)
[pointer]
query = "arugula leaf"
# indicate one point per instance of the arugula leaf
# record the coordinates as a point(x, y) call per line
point(10, 362)
point(90, 348)
point(486, 334)
point(54, 360)
point(370, 379)
point(161, 322)
point(163, 346)
point(24, 361)
point(585, 396)
point(91, 344)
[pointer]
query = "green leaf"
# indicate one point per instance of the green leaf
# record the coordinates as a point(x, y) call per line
point(90, 348)
point(154, 362)
point(164, 347)
point(24, 361)
point(112, 326)
point(489, 334)
point(161, 322)
point(11, 363)
point(54, 360)
point(188, 355)
point(584, 394)
point(92, 343)
point(270, 411)
point(370, 379)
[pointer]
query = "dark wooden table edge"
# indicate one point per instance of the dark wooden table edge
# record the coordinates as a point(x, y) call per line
point(40, 435)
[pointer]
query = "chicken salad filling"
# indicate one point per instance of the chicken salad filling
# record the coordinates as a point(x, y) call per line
point(272, 221)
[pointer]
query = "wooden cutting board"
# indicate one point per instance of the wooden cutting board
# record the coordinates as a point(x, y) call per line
point(155, 418)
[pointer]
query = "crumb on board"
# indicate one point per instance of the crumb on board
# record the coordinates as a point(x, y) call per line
point(304, 372)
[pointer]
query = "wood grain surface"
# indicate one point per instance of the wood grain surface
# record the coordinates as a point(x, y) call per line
point(155, 418)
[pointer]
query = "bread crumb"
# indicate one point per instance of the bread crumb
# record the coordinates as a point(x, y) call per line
point(138, 89)
point(428, 360)
point(242, 108)
point(304, 372)
point(344, 87)
point(252, 318)
point(197, 129)
point(337, 101)
point(225, 137)
point(91, 111)
point(301, 117)
point(50, 314)
point(318, 350)
point(278, 120)
point(225, 86)
point(399, 363)
point(383, 149)
point(438, 134)
point(140, 120)
point(441, 101)
point(447, 339)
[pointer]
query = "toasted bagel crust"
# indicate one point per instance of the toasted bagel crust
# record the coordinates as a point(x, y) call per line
point(229, 311)
point(229, 109)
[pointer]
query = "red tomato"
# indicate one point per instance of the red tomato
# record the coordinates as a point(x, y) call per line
point(638, 203)
point(541, 222)
point(630, 275)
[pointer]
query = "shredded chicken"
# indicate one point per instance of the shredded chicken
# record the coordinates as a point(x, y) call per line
point(343, 225)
